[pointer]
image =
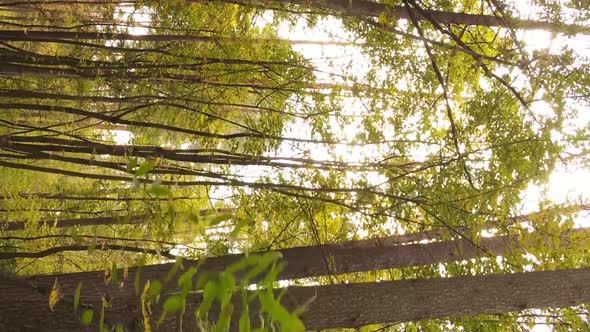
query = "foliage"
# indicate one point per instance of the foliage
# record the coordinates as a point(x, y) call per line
point(140, 132)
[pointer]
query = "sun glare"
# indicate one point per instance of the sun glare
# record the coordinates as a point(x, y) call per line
point(565, 185)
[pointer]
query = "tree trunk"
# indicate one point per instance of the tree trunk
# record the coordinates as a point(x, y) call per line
point(364, 8)
point(301, 262)
point(107, 220)
point(42, 145)
point(355, 305)
point(61, 223)
point(25, 309)
point(386, 302)
point(55, 36)
point(65, 197)
point(340, 305)
point(319, 260)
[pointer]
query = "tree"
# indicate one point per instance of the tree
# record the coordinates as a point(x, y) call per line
point(355, 305)
point(306, 262)
point(347, 305)
point(114, 142)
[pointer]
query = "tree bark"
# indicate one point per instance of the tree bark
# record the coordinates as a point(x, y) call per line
point(65, 197)
point(355, 305)
point(204, 156)
point(61, 223)
point(81, 247)
point(371, 8)
point(331, 259)
point(359, 304)
point(364, 8)
point(96, 221)
point(340, 305)
point(301, 262)
point(25, 309)
point(55, 36)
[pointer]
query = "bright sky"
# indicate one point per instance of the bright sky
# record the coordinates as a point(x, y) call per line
point(570, 184)
point(565, 185)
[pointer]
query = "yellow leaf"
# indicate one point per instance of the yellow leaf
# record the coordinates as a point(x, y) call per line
point(145, 310)
point(55, 295)
point(107, 276)
point(382, 18)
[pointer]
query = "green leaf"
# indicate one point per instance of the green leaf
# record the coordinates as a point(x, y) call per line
point(101, 325)
point(173, 270)
point(209, 294)
point(106, 301)
point(114, 274)
point(185, 281)
point(279, 313)
point(92, 246)
point(382, 18)
point(132, 165)
point(227, 283)
point(77, 239)
point(261, 263)
point(136, 283)
point(159, 190)
point(87, 316)
point(244, 322)
point(145, 167)
point(155, 289)
point(214, 220)
point(77, 296)
point(224, 318)
point(194, 217)
point(173, 303)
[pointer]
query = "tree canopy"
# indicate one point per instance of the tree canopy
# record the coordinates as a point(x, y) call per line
point(177, 164)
